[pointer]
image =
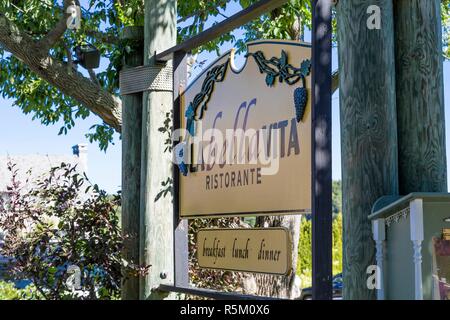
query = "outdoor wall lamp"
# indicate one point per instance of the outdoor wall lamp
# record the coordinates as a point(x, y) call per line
point(88, 56)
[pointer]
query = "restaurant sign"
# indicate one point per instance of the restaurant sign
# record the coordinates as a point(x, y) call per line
point(248, 250)
point(245, 138)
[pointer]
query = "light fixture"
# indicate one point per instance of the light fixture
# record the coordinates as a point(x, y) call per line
point(88, 56)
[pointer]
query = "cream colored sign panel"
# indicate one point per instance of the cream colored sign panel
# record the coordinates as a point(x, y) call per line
point(247, 250)
point(269, 101)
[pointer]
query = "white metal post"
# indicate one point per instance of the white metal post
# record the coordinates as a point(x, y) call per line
point(416, 213)
point(379, 236)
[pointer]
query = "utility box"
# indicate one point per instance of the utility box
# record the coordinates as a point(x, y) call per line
point(412, 238)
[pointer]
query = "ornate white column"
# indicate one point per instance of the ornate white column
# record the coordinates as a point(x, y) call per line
point(416, 214)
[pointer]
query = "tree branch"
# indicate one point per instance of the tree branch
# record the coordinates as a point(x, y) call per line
point(69, 58)
point(201, 12)
point(103, 37)
point(57, 32)
point(99, 35)
point(93, 77)
point(104, 104)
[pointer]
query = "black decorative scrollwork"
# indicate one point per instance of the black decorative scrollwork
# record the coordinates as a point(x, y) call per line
point(200, 101)
point(280, 68)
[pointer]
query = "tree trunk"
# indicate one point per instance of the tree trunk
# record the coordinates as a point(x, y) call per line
point(420, 96)
point(131, 169)
point(368, 131)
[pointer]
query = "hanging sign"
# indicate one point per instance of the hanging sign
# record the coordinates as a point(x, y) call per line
point(446, 234)
point(246, 135)
point(246, 250)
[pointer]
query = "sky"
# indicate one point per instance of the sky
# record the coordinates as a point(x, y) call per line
point(21, 135)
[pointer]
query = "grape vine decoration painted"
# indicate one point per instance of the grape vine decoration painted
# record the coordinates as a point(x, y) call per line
point(196, 110)
point(200, 102)
point(279, 68)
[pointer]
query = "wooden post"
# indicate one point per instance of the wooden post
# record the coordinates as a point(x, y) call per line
point(156, 216)
point(131, 166)
point(181, 254)
point(420, 96)
point(321, 152)
point(368, 131)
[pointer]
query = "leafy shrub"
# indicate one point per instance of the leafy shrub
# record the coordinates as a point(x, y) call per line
point(9, 292)
point(64, 222)
point(337, 244)
point(304, 266)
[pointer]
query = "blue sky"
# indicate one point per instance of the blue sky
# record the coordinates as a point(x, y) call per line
point(21, 135)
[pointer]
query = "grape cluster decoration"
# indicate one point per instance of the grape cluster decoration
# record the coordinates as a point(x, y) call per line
point(279, 68)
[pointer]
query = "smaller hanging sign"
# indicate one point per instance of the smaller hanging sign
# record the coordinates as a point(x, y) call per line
point(245, 250)
point(446, 234)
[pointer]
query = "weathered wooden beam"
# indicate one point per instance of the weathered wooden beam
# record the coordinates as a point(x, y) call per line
point(181, 247)
point(242, 17)
point(368, 131)
point(157, 213)
point(321, 151)
point(213, 294)
point(131, 167)
point(420, 96)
